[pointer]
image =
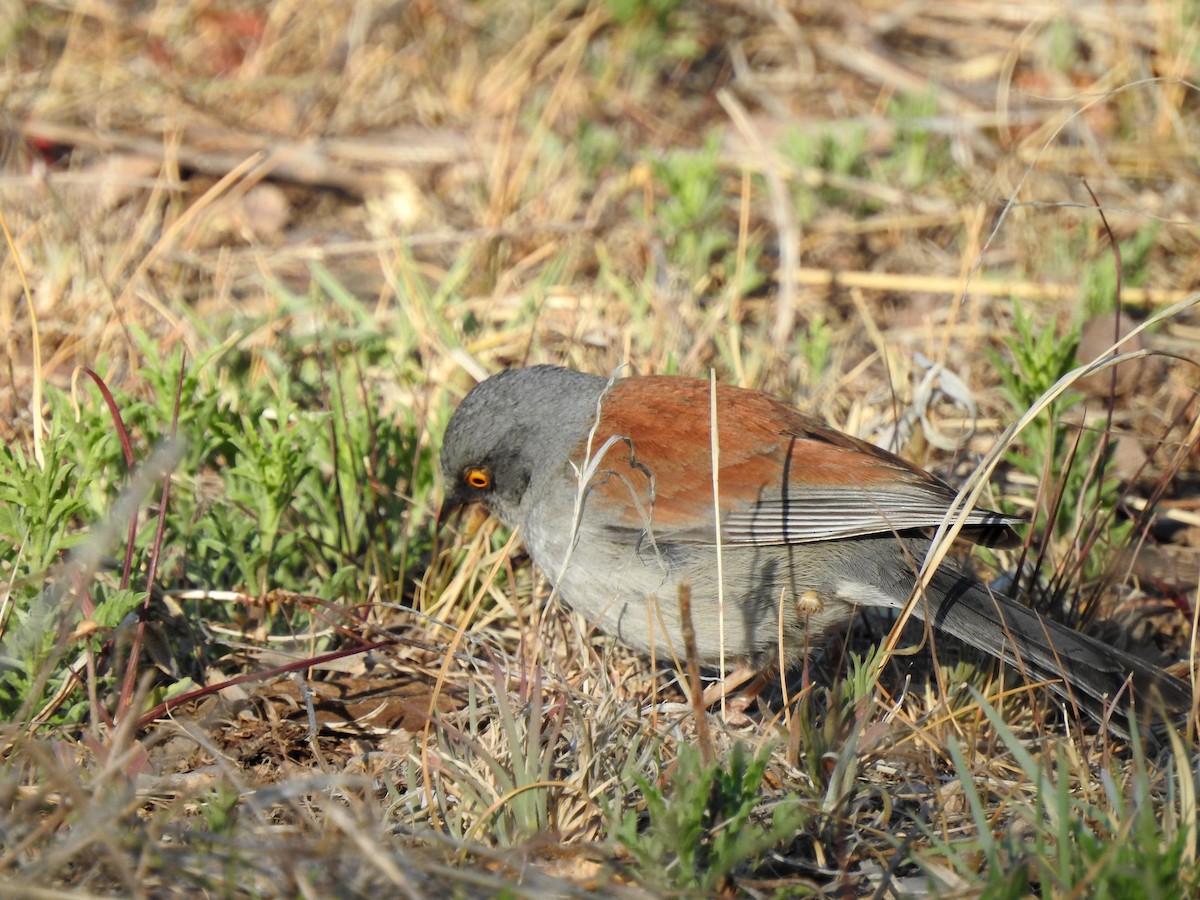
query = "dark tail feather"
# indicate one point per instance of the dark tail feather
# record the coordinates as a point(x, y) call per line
point(1079, 668)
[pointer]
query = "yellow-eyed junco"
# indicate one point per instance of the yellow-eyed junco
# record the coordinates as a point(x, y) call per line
point(611, 483)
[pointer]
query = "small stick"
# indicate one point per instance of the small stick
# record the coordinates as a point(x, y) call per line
point(693, 674)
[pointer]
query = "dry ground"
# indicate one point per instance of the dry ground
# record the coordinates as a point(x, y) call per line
point(821, 199)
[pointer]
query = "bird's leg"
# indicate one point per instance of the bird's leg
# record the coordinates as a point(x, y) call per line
point(746, 680)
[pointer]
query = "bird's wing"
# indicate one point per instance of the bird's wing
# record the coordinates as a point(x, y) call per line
point(783, 477)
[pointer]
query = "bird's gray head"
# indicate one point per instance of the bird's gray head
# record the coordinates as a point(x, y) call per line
point(512, 427)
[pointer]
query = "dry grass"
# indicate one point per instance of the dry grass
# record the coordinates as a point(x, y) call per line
point(807, 198)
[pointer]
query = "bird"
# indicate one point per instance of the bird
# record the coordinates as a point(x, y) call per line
point(611, 484)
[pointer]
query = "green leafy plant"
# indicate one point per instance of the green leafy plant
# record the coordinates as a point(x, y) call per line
point(625, 11)
point(269, 456)
point(825, 725)
point(703, 827)
point(1039, 358)
point(40, 502)
point(651, 36)
point(840, 152)
point(918, 156)
point(294, 482)
point(41, 508)
point(1073, 461)
point(1099, 276)
point(314, 488)
point(219, 808)
point(815, 345)
point(691, 217)
point(499, 767)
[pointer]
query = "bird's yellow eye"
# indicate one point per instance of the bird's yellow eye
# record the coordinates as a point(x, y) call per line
point(480, 479)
